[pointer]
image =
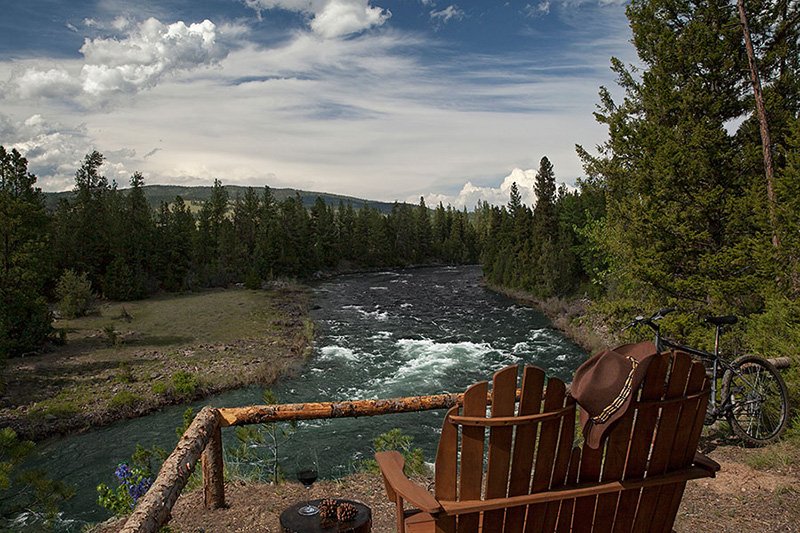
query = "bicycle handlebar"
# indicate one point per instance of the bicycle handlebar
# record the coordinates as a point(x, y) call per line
point(650, 322)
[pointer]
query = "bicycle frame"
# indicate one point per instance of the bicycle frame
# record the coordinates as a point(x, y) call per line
point(717, 366)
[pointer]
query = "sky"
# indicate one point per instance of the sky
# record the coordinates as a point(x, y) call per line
point(380, 99)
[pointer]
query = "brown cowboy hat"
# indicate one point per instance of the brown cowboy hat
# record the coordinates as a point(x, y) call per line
point(606, 383)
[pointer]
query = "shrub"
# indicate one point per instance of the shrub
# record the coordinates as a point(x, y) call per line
point(395, 439)
point(124, 400)
point(74, 293)
point(25, 322)
point(112, 336)
point(58, 407)
point(125, 374)
point(184, 384)
point(252, 281)
point(159, 387)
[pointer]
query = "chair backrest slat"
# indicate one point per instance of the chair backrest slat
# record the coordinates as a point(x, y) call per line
point(524, 445)
point(642, 438)
point(566, 441)
point(504, 391)
point(589, 472)
point(471, 470)
point(690, 418)
point(567, 507)
point(446, 474)
point(616, 452)
point(664, 440)
point(546, 452)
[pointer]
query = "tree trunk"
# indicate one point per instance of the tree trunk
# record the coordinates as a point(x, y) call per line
point(766, 143)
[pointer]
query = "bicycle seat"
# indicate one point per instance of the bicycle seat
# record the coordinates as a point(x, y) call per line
point(722, 320)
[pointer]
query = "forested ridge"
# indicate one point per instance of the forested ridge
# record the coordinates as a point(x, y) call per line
point(113, 241)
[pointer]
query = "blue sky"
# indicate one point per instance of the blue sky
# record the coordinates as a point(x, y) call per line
point(384, 99)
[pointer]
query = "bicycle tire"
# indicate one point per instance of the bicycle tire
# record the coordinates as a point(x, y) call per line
point(757, 399)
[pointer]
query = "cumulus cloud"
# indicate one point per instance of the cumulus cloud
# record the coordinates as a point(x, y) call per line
point(443, 16)
point(53, 151)
point(470, 195)
point(330, 19)
point(151, 51)
point(52, 83)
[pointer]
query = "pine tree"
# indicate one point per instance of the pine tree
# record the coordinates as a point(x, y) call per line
point(423, 231)
point(677, 200)
point(84, 225)
point(546, 267)
point(267, 245)
point(25, 264)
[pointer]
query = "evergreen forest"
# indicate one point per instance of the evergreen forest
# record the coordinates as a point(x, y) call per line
point(111, 241)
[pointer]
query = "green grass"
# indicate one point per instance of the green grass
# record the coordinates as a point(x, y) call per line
point(166, 349)
point(213, 316)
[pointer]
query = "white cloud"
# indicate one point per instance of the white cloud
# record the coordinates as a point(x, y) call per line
point(52, 83)
point(120, 23)
point(331, 19)
point(443, 16)
point(147, 54)
point(150, 52)
point(470, 195)
point(54, 152)
point(533, 11)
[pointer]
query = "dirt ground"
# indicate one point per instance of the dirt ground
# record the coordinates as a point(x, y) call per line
point(740, 499)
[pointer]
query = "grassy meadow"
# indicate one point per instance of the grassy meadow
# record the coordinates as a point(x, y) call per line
point(126, 359)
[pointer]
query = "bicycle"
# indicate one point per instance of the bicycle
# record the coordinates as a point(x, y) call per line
point(753, 396)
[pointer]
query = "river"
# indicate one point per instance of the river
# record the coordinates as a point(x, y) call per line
point(379, 335)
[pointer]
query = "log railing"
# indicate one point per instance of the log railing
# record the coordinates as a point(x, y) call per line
point(203, 438)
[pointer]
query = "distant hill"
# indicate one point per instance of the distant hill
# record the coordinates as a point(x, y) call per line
point(156, 194)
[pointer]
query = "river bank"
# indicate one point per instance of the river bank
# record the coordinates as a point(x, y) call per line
point(570, 316)
point(129, 359)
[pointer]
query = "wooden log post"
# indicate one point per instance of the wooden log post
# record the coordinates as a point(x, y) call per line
point(213, 472)
point(153, 509)
point(780, 363)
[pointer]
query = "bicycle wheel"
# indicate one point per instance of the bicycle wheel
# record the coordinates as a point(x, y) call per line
point(758, 403)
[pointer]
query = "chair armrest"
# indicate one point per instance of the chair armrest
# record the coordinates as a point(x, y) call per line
point(391, 465)
point(706, 462)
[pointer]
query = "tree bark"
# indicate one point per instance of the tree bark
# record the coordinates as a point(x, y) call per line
point(261, 414)
point(213, 472)
point(153, 510)
point(766, 143)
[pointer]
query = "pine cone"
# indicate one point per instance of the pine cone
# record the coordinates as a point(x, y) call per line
point(327, 509)
point(346, 512)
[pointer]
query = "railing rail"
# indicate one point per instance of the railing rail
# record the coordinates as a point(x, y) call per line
point(203, 438)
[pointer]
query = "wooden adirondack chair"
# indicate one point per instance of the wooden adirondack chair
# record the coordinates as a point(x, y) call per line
point(535, 480)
